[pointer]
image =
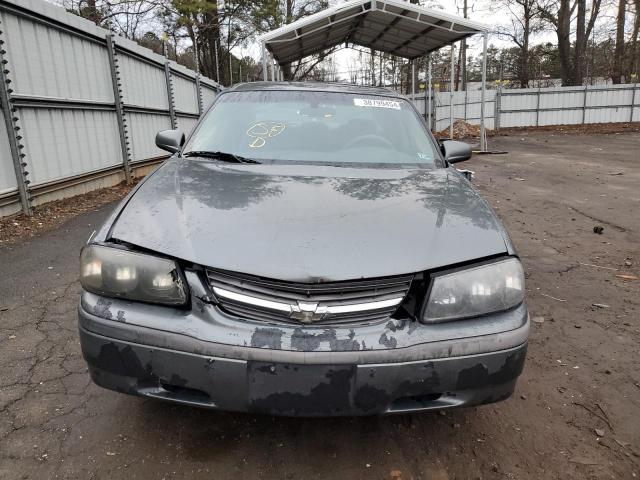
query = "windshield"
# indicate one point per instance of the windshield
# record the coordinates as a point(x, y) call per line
point(315, 127)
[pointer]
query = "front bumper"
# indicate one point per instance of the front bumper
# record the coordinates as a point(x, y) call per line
point(307, 372)
point(300, 389)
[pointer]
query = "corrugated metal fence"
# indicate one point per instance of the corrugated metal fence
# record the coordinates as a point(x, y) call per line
point(536, 106)
point(81, 106)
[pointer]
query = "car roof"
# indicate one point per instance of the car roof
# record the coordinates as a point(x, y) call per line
point(314, 87)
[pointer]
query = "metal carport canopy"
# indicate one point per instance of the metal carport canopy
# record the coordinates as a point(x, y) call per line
point(392, 26)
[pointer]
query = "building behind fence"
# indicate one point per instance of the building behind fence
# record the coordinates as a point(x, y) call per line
point(81, 106)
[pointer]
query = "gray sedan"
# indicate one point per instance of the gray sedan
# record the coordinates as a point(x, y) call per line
point(308, 250)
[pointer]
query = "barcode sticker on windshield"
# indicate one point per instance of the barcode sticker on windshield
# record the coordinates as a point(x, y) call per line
point(367, 102)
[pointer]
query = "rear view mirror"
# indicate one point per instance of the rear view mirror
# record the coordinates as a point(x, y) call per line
point(455, 151)
point(170, 140)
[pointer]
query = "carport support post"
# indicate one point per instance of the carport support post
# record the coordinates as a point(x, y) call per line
point(217, 64)
point(584, 104)
point(483, 133)
point(264, 62)
point(451, 80)
point(633, 100)
point(497, 106)
point(538, 106)
point(413, 81)
point(427, 93)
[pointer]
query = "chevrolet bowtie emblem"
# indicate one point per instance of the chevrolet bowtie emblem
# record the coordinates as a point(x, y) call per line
point(307, 312)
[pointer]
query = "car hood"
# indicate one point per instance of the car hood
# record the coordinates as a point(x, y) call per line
point(310, 223)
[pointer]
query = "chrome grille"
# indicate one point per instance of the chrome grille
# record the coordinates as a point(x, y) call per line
point(358, 301)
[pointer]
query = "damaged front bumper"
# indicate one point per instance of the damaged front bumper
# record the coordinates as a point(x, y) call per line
point(205, 358)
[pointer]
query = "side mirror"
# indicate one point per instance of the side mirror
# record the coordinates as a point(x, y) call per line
point(170, 140)
point(455, 151)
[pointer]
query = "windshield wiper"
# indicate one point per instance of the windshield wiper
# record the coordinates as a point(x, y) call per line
point(222, 156)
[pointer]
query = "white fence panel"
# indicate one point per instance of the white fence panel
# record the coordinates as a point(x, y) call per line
point(208, 95)
point(143, 83)
point(467, 106)
point(7, 175)
point(612, 95)
point(560, 117)
point(143, 128)
point(185, 94)
point(540, 107)
point(48, 62)
point(608, 115)
point(460, 107)
point(561, 100)
point(186, 124)
point(518, 108)
point(472, 113)
point(519, 100)
point(615, 101)
point(517, 119)
point(65, 142)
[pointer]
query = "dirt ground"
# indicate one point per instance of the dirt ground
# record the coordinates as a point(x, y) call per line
point(471, 132)
point(53, 214)
point(575, 414)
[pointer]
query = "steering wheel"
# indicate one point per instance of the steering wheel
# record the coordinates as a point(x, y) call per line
point(369, 138)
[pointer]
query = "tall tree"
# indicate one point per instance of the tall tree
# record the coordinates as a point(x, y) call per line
point(559, 13)
point(201, 20)
point(525, 22)
point(216, 27)
point(461, 75)
point(124, 17)
point(633, 53)
point(618, 55)
point(92, 12)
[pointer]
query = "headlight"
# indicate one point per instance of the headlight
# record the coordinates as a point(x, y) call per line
point(475, 291)
point(131, 275)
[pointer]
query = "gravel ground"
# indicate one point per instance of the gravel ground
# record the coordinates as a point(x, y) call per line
point(575, 414)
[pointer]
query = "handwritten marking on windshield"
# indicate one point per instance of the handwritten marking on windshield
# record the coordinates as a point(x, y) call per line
point(260, 131)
